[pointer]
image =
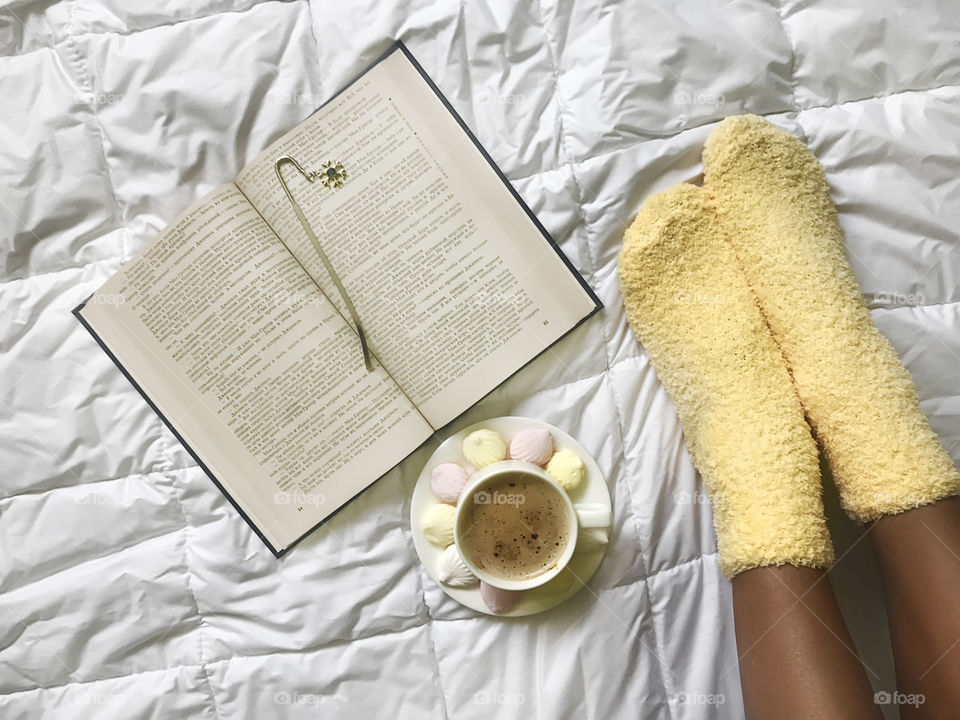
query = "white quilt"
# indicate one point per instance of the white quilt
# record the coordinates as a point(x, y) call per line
point(130, 588)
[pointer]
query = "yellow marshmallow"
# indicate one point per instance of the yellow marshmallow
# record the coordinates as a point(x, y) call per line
point(437, 524)
point(567, 469)
point(484, 447)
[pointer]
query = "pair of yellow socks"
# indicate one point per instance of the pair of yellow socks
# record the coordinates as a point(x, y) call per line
point(742, 296)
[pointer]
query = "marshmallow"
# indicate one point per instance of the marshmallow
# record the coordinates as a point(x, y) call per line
point(567, 469)
point(437, 524)
point(534, 445)
point(447, 480)
point(453, 571)
point(483, 447)
point(498, 600)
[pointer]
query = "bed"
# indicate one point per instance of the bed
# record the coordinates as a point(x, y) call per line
point(129, 586)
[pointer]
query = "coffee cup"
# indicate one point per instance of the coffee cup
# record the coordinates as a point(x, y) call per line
point(516, 528)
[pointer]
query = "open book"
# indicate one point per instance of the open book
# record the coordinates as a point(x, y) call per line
point(232, 329)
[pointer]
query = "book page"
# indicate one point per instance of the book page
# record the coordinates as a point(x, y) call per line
point(243, 355)
point(455, 285)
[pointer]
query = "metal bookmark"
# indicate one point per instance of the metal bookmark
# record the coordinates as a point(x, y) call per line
point(332, 176)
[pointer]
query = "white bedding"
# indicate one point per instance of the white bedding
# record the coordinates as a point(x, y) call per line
point(130, 588)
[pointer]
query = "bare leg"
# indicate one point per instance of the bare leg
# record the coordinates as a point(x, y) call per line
point(796, 656)
point(919, 556)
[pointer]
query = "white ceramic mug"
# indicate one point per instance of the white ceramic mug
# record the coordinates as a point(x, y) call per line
point(586, 515)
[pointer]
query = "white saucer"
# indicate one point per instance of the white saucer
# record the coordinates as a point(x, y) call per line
point(585, 561)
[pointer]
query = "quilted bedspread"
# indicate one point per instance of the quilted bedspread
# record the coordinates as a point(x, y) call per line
point(130, 588)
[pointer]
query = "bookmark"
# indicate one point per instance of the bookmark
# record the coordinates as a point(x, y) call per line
point(332, 176)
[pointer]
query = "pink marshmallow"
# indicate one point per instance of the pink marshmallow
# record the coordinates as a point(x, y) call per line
point(498, 600)
point(447, 480)
point(534, 445)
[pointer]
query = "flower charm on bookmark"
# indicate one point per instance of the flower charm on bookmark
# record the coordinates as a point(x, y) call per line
point(332, 175)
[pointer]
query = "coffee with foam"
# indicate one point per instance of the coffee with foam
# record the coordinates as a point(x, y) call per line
point(516, 526)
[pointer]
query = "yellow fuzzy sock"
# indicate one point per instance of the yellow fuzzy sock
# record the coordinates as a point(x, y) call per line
point(771, 196)
point(689, 304)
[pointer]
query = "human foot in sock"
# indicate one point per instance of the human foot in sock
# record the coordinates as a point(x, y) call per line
point(689, 304)
point(771, 197)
